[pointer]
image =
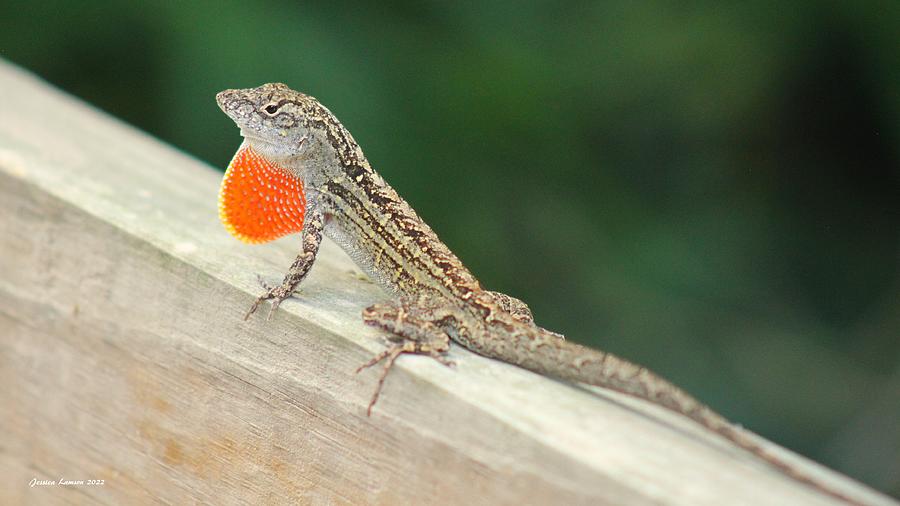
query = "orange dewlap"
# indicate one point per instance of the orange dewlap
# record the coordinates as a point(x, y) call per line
point(258, 200)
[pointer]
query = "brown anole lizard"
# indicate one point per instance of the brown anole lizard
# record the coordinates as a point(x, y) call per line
point(300, 170)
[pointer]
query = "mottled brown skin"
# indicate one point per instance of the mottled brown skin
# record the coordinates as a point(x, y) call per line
point(436, 299)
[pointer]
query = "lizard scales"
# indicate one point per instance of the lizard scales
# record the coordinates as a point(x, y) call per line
point(436, 298)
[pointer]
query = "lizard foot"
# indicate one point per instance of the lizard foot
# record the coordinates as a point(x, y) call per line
point(274, 293)
point(412, 331)
point(390, 356)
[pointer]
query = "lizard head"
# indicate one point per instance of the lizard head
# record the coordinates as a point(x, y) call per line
point(262, 195)
point(273, 118)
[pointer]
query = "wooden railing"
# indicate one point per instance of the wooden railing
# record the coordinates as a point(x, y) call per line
point(124, 358)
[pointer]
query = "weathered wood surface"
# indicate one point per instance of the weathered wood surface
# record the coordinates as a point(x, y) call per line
point(124, 358)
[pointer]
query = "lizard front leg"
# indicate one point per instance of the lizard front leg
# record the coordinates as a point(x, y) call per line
point(312, 238)
point(414, 328)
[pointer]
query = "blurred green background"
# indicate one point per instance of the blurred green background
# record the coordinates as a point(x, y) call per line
point(711, 190)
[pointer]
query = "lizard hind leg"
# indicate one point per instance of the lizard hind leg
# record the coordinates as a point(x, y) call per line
point(518, 309)
point(412, 329)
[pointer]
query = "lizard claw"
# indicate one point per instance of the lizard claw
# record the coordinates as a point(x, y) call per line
point(276, 294)
point(272, 308)
point(262, 283)
point(447, 362)
point(253, 308)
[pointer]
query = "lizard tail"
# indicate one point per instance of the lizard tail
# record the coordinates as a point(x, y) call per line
point(545, 353)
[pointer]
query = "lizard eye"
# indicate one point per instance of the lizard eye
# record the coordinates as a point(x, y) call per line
point(271, 109)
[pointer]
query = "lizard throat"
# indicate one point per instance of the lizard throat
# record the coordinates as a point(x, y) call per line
point(259, 201)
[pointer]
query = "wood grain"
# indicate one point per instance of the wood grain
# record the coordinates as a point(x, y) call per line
point(124, 358)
